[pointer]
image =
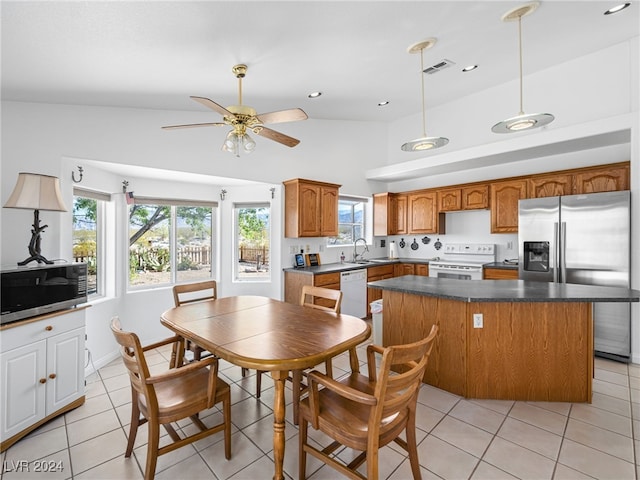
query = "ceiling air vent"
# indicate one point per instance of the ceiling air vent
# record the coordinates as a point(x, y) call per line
point(441, 65)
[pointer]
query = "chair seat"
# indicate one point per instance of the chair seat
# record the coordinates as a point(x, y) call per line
point(189, 392)
point(348, 419)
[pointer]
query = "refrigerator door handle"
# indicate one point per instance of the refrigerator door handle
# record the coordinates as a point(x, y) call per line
point(556, 253)
point(563, 252)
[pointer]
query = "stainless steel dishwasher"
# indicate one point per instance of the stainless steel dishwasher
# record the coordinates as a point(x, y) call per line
point(353, 284)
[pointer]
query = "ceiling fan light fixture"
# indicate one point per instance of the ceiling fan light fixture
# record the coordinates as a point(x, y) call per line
point(238, 142)
point(424, 142)
point(521, 121)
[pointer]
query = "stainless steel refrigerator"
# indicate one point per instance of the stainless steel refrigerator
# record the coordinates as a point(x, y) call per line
point(584, 239)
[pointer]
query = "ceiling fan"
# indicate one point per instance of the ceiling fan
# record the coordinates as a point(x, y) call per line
point(242, 118)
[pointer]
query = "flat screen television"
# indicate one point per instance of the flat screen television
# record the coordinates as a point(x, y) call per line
point(32, 291)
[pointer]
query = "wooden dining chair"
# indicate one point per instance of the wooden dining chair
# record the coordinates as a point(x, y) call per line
point(204, 291)
point(366, 413)
point(179, 392)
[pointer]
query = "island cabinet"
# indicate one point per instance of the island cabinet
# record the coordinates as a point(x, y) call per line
point(311, 208)
point(380, 272)
point(423, 213)
point(42, 365)
point(500, 273)
point(504, 205)
point(389, 214)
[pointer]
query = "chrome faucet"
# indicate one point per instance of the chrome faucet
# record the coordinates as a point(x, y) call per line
point(355, 249)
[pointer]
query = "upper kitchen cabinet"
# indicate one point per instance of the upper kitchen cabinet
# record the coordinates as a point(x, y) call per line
point(608, 179)
point(311, 208)
point(423, 213)
point(471, 197)
point(389, 214)
point(552, 185)
point(504, 205)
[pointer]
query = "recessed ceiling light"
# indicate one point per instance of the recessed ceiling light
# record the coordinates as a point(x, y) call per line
point(315, 94)
point(469, 68)
point(617, 8)
point(382, 104)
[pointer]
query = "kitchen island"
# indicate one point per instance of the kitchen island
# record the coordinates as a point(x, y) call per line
point(500, 339)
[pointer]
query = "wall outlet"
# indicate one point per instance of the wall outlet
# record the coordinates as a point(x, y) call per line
point(293, 249)
point(321, 248)
point(509, 245)
point(308, 248)
point(477, 320)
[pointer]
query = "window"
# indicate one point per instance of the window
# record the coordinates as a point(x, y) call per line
point(170, 241)
point(351, 220)
point(253, 239)
point(88, 228)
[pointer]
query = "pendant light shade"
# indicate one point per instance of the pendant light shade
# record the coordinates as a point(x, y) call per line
point(424, 142)
point(521, 121)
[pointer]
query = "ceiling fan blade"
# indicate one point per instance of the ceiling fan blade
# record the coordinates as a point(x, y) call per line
point(213, 106)
point(278, 137)
point(291, 115)
point(191, 125)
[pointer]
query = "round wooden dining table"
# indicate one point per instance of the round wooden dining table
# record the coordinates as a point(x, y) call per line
point(262, 333)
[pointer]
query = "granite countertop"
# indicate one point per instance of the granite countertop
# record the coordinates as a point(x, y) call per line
point(501, 265)
point(504, 290)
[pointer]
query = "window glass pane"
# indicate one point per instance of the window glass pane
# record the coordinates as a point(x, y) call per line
point(253, 243)
point(149, 244)
point(351, 221)
point(85, 238)
point(194, 243)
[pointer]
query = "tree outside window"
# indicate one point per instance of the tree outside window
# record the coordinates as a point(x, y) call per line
point(85, 239)
point(169, 243)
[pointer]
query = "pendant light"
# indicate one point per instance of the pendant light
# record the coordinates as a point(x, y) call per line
point(424, 142)
point(521, 121)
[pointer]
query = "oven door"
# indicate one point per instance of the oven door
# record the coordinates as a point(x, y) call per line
point(457, 272)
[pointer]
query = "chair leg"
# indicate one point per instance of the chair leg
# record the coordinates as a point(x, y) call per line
point(413, 450)
point(302, 455)
point(258, 383)
point(245, 372)
point(152, 450)
point(297, 388)
point(226, 411)
point(135, 423)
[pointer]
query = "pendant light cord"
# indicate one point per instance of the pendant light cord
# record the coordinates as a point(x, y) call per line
point(520, 53)
point(424, 120)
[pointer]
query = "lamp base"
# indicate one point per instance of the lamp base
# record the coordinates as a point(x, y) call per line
point(34, 244)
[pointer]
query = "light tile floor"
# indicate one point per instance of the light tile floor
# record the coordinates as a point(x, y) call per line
point(458, 438)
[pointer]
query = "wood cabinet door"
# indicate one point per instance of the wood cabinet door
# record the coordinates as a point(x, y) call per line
point(449, 200)
point(329, 212)
point(604, 180)
point(309, 211)
point(423, 213)
point(504, 205)
point(383, 205)
point(550, 186)
point(422, 269)
point(475, 197)
point(400, 269)
point(500, 274)
point(400, 215)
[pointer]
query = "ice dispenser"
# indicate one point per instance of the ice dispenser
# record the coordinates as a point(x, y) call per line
point(536, 256)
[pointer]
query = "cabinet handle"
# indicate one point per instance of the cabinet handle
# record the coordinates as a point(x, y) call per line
point(52, 376)
point(43, 380)
point(48, 328)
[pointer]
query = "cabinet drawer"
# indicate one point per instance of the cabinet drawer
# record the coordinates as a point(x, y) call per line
point(379, 271)
point(326, 279)
point(500, 274)
point(33, 331)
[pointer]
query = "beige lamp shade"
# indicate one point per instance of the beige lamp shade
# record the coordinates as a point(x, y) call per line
point(36, 192)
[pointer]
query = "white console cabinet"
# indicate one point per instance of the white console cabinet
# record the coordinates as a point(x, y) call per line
point(42, 374)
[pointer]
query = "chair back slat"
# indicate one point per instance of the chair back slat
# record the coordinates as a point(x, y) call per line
point(311, 292)
point(195, 292)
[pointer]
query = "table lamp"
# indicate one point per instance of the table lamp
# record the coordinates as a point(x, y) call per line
point(37, 192)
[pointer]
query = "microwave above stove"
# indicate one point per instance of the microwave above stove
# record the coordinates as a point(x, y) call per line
point(32, 291)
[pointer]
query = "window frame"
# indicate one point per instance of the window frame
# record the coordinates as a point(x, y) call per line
point(236, 246)
point(173, 205)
